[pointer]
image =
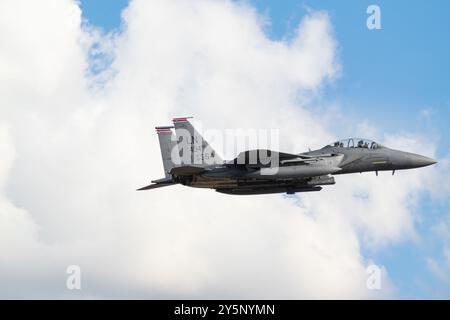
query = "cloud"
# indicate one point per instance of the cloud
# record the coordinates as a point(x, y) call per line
point(74, 149)
point(439, 270)
point(439, 264)
point(426, 114)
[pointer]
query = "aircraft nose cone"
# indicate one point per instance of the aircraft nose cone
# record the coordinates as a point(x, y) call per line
point(422, 161)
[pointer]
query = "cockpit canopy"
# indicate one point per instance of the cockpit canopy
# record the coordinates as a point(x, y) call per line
point(356, 143)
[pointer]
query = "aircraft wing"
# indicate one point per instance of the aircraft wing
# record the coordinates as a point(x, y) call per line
point(246, 156)
point(253, 157)
point(186, 170)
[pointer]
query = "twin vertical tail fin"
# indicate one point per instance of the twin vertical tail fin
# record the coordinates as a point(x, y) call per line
point(192, 148)
point(186, 154)
point(168, 145)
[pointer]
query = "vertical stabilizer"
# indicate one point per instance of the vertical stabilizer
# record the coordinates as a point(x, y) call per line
point(193, 149)
point(168, 146)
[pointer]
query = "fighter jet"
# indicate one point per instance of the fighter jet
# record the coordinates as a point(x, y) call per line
point(189, 160)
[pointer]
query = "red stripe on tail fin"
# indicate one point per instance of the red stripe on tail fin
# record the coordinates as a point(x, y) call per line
point(185, 119)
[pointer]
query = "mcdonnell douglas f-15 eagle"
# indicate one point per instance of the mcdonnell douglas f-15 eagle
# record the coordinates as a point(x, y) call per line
point(189, 160)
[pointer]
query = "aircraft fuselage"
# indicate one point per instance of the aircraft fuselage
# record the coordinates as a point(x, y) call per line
point(251, 172)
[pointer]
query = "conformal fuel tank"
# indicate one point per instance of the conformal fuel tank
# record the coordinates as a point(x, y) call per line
point(299, 171)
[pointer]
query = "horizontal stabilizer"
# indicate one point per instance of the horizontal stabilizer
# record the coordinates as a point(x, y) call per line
point(157, 185)
point(162, 180)
point(186, 170)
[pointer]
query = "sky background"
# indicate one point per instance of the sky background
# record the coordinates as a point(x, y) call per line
point(397, 77)
point(83, 83)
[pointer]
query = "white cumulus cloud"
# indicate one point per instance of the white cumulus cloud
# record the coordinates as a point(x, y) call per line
point(73, 153)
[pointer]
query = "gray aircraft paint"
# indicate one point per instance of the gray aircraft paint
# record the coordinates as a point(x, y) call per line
point(249, 173)
point(167, 143)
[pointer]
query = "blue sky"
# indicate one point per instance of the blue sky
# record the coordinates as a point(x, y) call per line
point(396, 77)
